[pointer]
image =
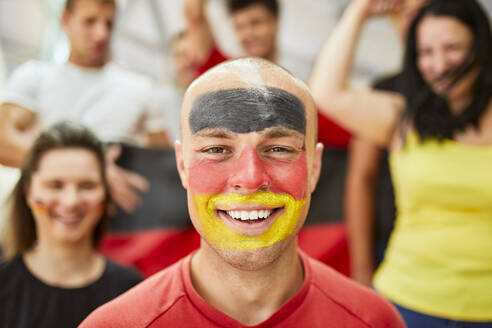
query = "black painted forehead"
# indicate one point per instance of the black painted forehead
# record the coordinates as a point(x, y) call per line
point(245, 110)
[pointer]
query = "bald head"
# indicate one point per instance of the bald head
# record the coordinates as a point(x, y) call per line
point(249, 95)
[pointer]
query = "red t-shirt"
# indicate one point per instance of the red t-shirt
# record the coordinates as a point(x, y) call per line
point(168, 299)
point(331, 134)
point(215, 58)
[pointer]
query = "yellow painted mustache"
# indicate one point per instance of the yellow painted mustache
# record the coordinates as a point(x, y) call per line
point(216, 232)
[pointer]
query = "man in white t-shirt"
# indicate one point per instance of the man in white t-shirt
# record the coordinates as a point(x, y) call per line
point(117, 105)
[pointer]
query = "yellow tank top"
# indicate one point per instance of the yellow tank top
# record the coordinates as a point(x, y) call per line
point(439, 258)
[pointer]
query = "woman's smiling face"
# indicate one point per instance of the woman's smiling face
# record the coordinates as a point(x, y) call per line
point(443, 43)
point(66, 195)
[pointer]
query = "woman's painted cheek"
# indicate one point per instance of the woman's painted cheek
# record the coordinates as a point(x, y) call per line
point(42, 202)
point(39, 207)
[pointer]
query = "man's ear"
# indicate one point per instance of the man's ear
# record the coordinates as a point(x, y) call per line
point(316, 169)
point(178, 149)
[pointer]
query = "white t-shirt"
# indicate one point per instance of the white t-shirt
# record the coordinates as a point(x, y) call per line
point(115, 104)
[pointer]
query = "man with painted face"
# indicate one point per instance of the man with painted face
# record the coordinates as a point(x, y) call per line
point(256, 27)
point(249, 162)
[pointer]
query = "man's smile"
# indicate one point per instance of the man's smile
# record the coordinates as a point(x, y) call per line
point(240, 222)
point(251, 220)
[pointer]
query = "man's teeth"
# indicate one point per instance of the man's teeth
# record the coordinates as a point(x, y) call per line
point(249, 215)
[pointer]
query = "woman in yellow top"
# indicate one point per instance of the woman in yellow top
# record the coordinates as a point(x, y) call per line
point(438, 265)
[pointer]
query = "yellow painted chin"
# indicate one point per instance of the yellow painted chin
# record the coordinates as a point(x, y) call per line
point(216, 232)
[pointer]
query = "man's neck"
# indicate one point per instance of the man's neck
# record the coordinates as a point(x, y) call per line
point(248, 296)
point(63, 266)
point(84, 63)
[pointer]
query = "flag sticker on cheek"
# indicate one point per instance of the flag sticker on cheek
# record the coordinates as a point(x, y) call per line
point(225, 237)
point(39, 207)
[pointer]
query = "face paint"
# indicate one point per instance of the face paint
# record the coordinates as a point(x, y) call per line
point(287, 188)
point(39, 207)
point(253, 160)
point(222, 236)
point(211, 177)
point(247, 110)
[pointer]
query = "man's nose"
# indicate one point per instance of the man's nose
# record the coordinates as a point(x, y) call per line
point(102, 32)
point(249, 174)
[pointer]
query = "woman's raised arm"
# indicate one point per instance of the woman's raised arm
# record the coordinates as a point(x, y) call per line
point(367, 113)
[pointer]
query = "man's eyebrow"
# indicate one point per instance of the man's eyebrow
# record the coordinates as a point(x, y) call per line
point(215, 133)
point(279, 132)
point(245, 110)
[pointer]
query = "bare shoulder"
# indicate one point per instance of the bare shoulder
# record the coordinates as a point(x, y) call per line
point(481, 136)
point(486, 124)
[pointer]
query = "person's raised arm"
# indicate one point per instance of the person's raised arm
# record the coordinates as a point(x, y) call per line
point(362, 177)
point(18, 130)
point(199, 35)
point(370, 114)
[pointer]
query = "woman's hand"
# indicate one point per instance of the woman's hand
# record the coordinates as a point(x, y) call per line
point(373, 8)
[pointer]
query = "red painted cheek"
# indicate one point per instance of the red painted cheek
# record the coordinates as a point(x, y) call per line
point(289, 177)
point(282, 177)
point(208, 177)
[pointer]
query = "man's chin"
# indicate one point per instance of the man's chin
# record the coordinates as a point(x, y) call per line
point(98, 58)
point(254, 259)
